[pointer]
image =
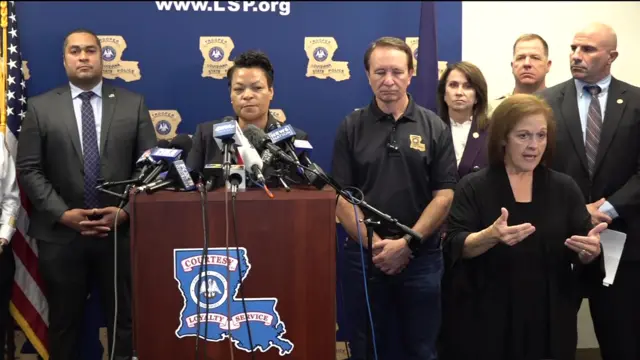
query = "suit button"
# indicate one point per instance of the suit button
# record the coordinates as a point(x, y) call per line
point(476, 168)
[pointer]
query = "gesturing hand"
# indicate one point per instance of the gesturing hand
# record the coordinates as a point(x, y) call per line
point(510, 235)
point(588, 247)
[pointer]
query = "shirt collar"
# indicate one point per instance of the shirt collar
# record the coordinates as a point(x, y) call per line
point(455, 124)
point(409, 112)
point(604, 85)
point(75, 91)
point(270, 120)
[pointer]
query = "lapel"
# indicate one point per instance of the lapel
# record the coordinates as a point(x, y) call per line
point(68, 117)
point(571, 116)
point(611, 120)
point(109, 100)
point(472, 148)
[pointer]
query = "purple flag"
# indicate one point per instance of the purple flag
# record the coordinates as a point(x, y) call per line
point(426, 81)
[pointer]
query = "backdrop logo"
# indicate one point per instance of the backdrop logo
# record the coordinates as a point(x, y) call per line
point(108, 53)
point(215, 51)
point(320, 54)
point(165, 122)
point(442, 67)
point(207, 294)
point(114, 67)
point(278, 114)
point(320, 51)
point(413, 44)
point(216, 54)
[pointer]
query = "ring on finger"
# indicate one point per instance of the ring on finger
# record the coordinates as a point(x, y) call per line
point(584, 252)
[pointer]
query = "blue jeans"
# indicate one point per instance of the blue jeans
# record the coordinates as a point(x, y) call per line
point(406, 308)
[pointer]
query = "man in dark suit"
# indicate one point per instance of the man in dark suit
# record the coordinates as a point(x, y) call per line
point(598, 144)
point(71, 137)
point(251, 91)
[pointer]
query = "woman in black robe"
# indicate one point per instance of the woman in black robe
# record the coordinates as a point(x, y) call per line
point(525, 237)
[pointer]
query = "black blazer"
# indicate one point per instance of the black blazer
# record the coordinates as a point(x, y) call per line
point(617, 169)
point(206, 151)
point(50, 163)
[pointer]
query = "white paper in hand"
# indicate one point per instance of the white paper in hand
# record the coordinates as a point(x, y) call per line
point(612, 245)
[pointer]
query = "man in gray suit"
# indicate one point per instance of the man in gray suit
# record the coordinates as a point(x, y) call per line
point(71, 137)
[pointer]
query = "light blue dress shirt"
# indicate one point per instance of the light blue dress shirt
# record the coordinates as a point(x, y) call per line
point(584, 100)
point(96, 104)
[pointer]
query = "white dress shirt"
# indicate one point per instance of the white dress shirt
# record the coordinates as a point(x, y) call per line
point(459, 134)
point(96, 104)
point(584, 100)
point(9, 193)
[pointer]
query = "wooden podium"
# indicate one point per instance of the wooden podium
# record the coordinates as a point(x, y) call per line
point(289, 242)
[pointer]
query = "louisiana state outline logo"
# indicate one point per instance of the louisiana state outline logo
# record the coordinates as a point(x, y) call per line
point(207, 292)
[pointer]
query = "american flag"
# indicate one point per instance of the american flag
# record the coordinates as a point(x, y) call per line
point(28, 304)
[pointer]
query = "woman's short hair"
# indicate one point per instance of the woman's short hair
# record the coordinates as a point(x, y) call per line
point(478, 83)
point(507, 115)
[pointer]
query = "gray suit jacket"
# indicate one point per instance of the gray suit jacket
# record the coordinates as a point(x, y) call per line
point(50, 163)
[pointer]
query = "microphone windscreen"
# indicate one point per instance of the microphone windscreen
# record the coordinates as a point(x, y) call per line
point(273, 126)
point(164, 143)
point(255, 136)
point(182, 142)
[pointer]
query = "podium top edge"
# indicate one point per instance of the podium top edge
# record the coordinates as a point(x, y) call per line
point(247, 195)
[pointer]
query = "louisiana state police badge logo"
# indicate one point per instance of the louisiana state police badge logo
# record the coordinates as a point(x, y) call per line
point(209, 291)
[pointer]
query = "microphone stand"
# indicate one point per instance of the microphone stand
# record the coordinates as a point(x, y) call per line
point(284, 184)
point(280, 178)
point(124, 196)
point(369, 223)
point(226, 162)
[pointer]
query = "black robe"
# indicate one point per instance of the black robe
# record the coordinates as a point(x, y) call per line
point(516, 302)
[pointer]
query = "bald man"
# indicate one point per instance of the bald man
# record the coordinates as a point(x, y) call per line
point(598, 144)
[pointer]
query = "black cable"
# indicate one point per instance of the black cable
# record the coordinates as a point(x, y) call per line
point(235, 239)
point(134, 298)
point(346, 347)
point(205, 255)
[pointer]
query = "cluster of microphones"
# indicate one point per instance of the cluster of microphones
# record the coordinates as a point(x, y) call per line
point(251, 155)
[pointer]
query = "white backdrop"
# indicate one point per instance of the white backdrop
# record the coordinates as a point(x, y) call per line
point(490, 28)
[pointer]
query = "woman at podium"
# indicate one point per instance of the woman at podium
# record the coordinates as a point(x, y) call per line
point(251, 90)
point(525, 236)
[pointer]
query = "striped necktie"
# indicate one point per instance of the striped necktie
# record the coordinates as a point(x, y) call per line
point(594, 125)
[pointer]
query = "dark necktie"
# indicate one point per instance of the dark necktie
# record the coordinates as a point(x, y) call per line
point(594, 124)
point(90, 152)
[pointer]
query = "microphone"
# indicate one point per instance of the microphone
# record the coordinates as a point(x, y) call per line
point(182, 142)
point(164, 143)
point(164, 158)
point(224, 134)
point(304, 148)
point(146, 162)
point(252, 160)
point(178, 175)
point(237, 176)
point(262, 143)
point(283, 135)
